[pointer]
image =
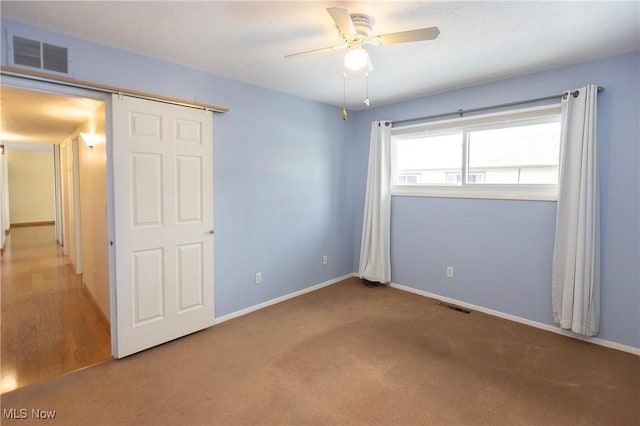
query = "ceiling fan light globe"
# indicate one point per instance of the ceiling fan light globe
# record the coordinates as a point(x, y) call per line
point(356, 59)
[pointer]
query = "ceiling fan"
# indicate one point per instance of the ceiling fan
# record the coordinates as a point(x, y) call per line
point(356, 31)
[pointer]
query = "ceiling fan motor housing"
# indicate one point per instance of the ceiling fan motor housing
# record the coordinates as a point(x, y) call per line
point(363, 25)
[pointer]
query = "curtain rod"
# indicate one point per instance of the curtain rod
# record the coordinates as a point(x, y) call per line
point(96, 87)
point(461, 112)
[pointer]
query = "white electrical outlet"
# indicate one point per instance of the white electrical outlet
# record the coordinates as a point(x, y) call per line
point(325, 260)
point(449, 271)
point(258, 277)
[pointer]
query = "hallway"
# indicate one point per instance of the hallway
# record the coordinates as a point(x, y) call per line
point(50, 324)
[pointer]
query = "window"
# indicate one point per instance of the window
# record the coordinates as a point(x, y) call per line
point(505, 155)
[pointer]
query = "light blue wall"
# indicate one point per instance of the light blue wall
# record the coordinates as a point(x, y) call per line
point(501, 250)
point(280, 172)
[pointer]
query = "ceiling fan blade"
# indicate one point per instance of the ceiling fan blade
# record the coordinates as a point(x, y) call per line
point(342, 20)
point(409, 36)
point(321, 50)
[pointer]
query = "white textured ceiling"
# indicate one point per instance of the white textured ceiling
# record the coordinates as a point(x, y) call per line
point(480, 41)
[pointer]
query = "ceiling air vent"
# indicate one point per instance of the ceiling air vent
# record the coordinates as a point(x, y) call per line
point(44, 56)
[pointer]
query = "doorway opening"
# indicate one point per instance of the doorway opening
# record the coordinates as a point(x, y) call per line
point(147, 261)
point(55, 259)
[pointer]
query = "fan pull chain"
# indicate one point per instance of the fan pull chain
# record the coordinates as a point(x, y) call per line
point(366, 100)
point(344, 96)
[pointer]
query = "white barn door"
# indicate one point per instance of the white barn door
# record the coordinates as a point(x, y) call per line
point(163, 214)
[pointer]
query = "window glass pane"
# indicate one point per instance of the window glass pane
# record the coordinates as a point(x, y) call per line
point(429, 160)
point(526, 154)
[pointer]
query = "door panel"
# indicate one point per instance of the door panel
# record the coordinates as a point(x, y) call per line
point(163, 198)
point(189, 131)
point(146, 188)
point(190, 285)
point(148, 285)
point(189, 178)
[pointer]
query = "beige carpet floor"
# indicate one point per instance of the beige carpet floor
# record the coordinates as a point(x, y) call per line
point(351, 355)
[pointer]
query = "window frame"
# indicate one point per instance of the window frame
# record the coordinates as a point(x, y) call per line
point(541, 192)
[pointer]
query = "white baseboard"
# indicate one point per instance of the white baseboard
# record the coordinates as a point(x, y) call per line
point(279, 299)
point(543, 326)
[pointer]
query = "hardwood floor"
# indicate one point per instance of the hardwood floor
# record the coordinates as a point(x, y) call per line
point(50, 325)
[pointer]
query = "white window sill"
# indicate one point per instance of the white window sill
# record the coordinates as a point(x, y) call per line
point(483, 191)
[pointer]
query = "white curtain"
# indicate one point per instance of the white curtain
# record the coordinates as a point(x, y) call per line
point(375, 248)
point(576, 254)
